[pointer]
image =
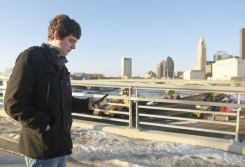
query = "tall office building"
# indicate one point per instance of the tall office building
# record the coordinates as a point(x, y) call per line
point(201, 56)
point(160, 70)
point(168, 68)
point(126, 67)
point(242, 43)
point(165, 69)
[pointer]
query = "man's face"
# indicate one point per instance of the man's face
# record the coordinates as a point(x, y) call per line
point(67, 44)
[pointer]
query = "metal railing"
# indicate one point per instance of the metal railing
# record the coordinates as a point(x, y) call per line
point(3, 81)
point(134, 111)
point(142, 115)
point(2, 92)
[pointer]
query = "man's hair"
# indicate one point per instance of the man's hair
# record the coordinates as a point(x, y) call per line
point(65, 26)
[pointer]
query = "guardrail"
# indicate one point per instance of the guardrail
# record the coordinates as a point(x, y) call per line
point(2, 91)
point(141, 115)
point(135, 111)
point(3, 81)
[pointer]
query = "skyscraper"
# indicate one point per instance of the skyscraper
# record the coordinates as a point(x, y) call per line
point(168, 68)
point(201, 56)
point(160, 70)
point(242, 43)
point(126, 67)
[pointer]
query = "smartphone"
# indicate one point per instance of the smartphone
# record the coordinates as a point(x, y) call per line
point(101, 99)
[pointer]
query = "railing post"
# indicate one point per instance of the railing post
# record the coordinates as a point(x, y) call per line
point(136, 111)
point(238, 119)
point(130, 109)
point(4, 88)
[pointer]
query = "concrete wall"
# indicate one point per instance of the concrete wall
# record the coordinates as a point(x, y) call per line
point(194, 74)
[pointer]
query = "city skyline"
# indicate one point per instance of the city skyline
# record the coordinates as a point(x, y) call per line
point(146, 31)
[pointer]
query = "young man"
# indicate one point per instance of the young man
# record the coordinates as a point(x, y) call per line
point(39, 96)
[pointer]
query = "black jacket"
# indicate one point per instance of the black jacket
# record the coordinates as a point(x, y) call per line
point(39, 93)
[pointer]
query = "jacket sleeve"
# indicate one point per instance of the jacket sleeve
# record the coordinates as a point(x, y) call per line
point(17, 100)
point(80, 105)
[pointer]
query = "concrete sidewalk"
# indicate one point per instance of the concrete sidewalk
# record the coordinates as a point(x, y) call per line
point(11, 160)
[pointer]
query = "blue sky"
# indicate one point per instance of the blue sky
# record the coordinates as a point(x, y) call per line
point(146, 30)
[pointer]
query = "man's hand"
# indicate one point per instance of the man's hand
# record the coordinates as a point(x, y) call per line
point(92, 105)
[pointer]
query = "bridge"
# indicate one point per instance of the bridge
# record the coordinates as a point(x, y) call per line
point(159, 118)
point(180, 81)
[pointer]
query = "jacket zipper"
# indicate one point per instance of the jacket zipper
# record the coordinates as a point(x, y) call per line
point(48, 92)
point(46, 102)
point(62, 102)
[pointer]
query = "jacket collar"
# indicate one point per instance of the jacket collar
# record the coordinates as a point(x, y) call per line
point(52, 55)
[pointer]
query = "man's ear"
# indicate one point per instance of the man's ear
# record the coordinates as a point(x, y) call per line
point(56, 35)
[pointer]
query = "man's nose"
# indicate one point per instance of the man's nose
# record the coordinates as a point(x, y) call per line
point(73, 46)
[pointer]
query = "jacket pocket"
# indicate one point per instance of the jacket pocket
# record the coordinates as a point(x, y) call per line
point(53, 140)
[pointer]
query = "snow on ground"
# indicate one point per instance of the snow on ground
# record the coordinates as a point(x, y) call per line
point(96, 147)
point(107, 150)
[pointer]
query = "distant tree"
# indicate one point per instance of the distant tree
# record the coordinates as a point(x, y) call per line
point(150, 74)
